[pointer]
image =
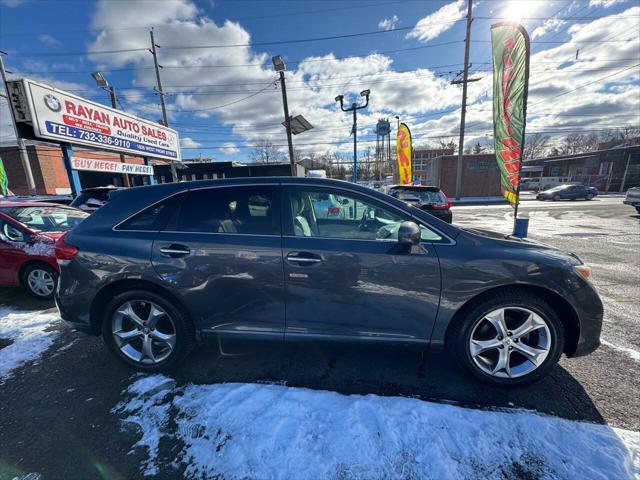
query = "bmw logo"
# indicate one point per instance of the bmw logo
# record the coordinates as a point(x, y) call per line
point(52, 103)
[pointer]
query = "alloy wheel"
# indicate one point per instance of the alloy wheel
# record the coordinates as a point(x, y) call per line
point(510, 342)
point(41, 282)
point(143, 331)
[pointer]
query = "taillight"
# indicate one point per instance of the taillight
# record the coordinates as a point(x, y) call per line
point(65, 251)
point(444, 205)
point(334, 211)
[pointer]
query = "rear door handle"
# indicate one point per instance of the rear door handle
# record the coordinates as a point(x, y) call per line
point(303, 258)
point(175, 251)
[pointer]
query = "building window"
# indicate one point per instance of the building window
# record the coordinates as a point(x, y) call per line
point(605, 168)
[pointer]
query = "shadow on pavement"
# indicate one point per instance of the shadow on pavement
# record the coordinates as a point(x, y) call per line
point(18, 299)
point(382, 370)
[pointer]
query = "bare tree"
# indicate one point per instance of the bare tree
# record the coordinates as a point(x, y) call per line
point(536, 145)
point(265, 152)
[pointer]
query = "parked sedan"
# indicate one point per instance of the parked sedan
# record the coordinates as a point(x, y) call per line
point(28, 231)
point(568, 192)
point(633, 198)
point(154, 272)
point(430, 199)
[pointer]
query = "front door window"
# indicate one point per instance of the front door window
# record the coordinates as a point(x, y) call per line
point(321, 213)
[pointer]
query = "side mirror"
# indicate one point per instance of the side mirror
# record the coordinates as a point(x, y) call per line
point(409, 233)
point(345, 201)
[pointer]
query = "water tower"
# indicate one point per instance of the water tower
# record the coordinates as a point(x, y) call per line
point(383, 152)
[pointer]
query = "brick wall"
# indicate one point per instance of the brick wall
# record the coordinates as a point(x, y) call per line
point(480, 175)
point(47, 167)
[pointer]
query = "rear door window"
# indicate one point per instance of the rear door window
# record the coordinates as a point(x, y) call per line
point(250, 210)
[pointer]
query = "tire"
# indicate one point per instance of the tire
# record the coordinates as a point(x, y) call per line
point(129, 346)
point(556, 198)
point(40, 280)
point(472, 323)
point(588, 196)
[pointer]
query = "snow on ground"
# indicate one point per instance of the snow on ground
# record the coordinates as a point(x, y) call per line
point(259, 431)
point(24, 336)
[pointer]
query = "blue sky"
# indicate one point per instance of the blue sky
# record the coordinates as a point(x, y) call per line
point(222, 100)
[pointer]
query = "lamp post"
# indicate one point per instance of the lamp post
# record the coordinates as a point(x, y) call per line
point(279, 66)
point(102, 83)
point(354, 108)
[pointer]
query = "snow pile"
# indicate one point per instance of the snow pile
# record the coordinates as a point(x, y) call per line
point(24, 336)
point(235, 431)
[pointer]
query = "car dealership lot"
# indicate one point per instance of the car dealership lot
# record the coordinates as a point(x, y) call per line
point(62, 412)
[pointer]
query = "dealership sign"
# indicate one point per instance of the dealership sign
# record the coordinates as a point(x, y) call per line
point(64, 117)
point(97, 165)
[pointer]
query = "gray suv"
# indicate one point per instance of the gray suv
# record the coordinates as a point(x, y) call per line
point(159, 269)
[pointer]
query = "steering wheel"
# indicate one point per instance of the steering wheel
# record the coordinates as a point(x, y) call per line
point(362, 226)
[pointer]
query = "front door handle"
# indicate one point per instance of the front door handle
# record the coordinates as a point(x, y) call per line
point(303, 258)
point(175, 251)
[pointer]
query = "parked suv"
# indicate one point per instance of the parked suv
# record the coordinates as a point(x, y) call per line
point(160, 268)
point(430, 199)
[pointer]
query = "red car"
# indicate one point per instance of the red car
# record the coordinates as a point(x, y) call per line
point(28, 231)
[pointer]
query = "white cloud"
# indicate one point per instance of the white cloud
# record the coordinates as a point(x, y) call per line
point(604, 3)
point(230, 148)
point(438, 22)
point(188, 142)
point(389, 23)
point(12, 3)
point(549, 25)
point(47, 39)
point(202, 81)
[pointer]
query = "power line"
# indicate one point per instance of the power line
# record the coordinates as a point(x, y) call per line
point(255, 44)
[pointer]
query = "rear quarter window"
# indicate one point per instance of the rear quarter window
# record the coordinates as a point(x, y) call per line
point(153, 218)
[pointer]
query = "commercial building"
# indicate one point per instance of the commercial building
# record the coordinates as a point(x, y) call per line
point(480, 174)
point(50, 177)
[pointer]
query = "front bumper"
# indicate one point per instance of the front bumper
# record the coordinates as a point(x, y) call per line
point(632, 202)
point(590, 310)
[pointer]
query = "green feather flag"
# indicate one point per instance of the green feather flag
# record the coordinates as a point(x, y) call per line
point(4, 181)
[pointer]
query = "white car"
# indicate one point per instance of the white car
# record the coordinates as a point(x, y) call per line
point(633, 198)
point(328, 206)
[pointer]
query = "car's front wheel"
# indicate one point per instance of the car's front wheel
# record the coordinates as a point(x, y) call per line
point(588, 196)
point(508, 339)
point(556, 197)
point(146, 331)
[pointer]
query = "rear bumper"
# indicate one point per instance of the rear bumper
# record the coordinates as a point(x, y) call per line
point(76, 318)
point(632, 202)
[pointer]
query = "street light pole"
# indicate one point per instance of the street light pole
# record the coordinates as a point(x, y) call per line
point(279, 67)
point(103, 84)
point(354, 108)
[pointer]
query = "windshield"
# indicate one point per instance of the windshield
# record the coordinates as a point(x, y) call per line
point(46, 218)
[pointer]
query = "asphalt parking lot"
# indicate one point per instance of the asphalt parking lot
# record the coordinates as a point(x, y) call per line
point(56, 412)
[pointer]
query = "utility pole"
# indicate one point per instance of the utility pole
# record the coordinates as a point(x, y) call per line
point(354, 108)
point(165, 120)
point(22, 149)
point(287, 124)
point(626, 169)
point(464, 81)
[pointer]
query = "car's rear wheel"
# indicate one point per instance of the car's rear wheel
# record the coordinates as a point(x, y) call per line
point(146, 331)
point(40, 280)
point(508, 339)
